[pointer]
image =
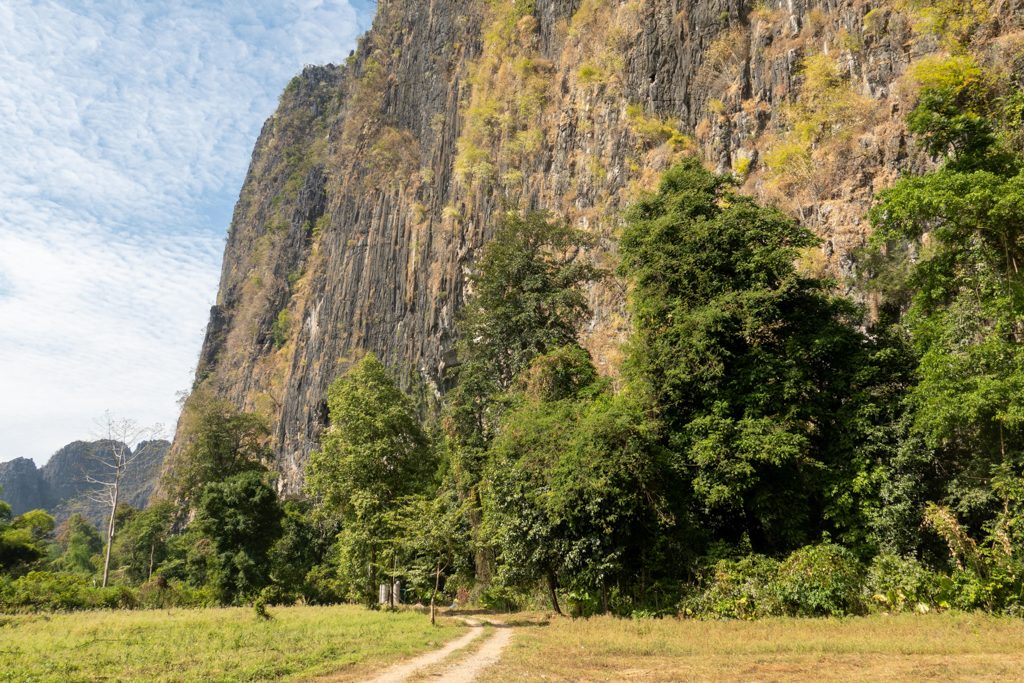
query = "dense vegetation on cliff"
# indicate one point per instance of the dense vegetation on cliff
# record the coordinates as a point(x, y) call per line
point(764, 440)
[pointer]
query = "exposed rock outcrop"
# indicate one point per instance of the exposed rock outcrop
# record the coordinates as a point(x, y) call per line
point(372, 189)
point(23, 487)
point(61, 488)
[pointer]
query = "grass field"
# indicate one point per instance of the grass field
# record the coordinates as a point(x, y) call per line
point(933, 647)
point(211, 644)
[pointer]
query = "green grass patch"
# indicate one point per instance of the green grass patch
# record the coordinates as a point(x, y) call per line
point(227, 644)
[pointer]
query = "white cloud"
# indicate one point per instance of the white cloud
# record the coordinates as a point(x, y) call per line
point(127, 132)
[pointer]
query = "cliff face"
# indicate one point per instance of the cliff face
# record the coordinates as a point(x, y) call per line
point(60, 486)
point(23, 487)
point(371, 189)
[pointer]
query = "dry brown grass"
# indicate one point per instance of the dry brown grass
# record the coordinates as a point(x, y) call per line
point(943, 647)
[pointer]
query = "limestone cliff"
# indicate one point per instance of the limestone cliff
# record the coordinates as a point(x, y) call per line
point(371, 189)
point(60, 486)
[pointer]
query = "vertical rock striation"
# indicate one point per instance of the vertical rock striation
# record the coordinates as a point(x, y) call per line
point(372, 189)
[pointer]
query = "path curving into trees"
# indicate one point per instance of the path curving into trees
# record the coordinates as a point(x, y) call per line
point(462, 670)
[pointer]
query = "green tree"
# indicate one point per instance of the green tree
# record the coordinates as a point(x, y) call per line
point(965, 222)
point(577, 484)
point(141, 545)
point(241, 517)
point(81, 543)
point(306, 547)
point(527, 298)
point(23, 540)
point(374, 453)
point(219, 441)
point(757, 370)
point(433, 534)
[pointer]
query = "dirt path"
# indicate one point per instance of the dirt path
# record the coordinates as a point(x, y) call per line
point(466, 670)
point(462, 671)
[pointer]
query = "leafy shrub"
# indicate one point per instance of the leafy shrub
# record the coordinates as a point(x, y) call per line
point(652, 130)
point(738, 589)
point(742, 167)
point(821, 580)
point(322, 224)
point(590, 74)
point(281, 328)
point(900, 584)
point(48, 592)
point(323, 586)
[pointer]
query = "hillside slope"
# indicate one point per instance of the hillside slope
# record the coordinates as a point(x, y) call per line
point(371, 189)
point(60, 486)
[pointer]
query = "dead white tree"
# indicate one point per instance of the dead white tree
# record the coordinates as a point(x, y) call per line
point(123, 443)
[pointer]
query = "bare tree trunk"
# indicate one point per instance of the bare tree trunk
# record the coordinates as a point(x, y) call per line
point(604, 598)
point(554, 598)
point(437, 582)
point(391, 588)
point(118, 437)
point(373, 577)
point(110, 533)
point(152, 551)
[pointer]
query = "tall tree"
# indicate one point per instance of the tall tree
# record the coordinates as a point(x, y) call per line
point(756, 368)
point(241, 517)
point(577, 484)
point(528, 298)
point(141, 544)
point(965, 223)
point(123, 442)
point(218, 441)
point(374, 453)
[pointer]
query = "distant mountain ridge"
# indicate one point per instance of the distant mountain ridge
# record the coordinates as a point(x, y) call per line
point(60, 486)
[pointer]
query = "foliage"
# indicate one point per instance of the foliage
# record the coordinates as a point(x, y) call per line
point(218, 442)
point(576, 484)
point(242, 519)
point(527, 294)
point(141, 544)
point(820, 125)
point(281, 328)
point(652, 130)
point(821, 580)
point(901, 583)
point(758, 372)
point(954, 21)
point(743, 588)
point(965, 312)
point(304, 559)
point(81, 543)
point(374, 454)
point(23, 540)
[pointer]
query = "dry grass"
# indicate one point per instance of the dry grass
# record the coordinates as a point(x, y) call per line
point(943, 647)
point(213, 644)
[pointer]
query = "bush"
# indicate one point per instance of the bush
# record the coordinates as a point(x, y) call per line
point(900, 584)
point(738, 589)
point(47, 592)
point(43, 591)
point(821, 580)
point(818, 580)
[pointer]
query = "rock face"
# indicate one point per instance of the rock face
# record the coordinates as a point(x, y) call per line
point(374, 186)
point(23, 487)
point(60, 486)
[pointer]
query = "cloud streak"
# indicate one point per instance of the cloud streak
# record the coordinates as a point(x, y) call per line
point(127, 132)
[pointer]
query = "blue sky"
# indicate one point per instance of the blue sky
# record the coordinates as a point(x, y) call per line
point(125, 133)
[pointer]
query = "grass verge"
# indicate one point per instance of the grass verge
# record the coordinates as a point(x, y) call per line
point(944, 647)
point(222, 645)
